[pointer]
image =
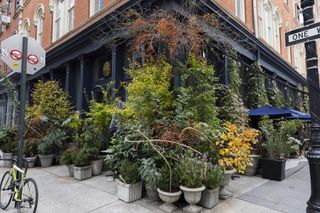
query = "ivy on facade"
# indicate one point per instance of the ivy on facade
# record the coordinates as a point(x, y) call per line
point(276, 98)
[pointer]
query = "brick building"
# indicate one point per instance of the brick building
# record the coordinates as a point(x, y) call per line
point(67, 28)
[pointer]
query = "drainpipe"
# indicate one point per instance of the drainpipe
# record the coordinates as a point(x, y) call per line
point(254, 17)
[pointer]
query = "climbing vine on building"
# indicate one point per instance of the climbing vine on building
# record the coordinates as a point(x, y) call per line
point(234, 77)
point(276, 98)
point(257, 94)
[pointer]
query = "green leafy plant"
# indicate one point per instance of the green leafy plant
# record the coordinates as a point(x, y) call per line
point(149, 172)
point(213, 176)
point(68, 156)
point(257, 94)
point(164, 181)
point(52, 142)
point(81, 158)
point(191, 172)
point(8, 138)
point(234, 77)
point(50, 101)
point(196, 92)
point(129, 171)
point(276, 98)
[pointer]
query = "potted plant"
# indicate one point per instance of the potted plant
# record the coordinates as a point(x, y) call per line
point(273, 166)
point(168, 187)
point(251, 170)
point(50, 145)
point(96, 161)
point(234, 148)
point(7, 145)
point(68, 157)
point(150, 174)
point(212, 181)
point(192, 173)
point(31, 152)
point(82, 167)
point(129, 186)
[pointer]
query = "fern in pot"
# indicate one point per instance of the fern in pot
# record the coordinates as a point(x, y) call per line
point(192, 174)
point(150, 174)
point(212, 181)
point(129, 185)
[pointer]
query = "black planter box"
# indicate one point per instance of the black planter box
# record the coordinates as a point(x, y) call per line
point(273, 169)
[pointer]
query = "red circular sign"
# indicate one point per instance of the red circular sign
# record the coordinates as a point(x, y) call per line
point(33, 59)
point(15, 55)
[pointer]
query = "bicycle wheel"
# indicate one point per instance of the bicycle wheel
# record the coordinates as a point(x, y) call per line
point(30, 196)
point(6, 190)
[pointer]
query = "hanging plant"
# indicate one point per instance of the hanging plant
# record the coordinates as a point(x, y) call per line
point(257, 94)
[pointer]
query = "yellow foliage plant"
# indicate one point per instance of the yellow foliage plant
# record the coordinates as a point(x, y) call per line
point(234, 146)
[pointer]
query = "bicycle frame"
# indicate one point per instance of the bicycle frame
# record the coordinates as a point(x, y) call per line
point(18, 182)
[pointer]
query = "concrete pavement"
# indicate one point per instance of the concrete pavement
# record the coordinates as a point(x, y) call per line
point(60, 193)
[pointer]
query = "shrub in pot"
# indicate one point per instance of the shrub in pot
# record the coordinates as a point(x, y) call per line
point(150, 174)
point(129, 185)
point(50, 145)
point(68, 157)
point(82, 167)
point(168, 187)
point(192, 173)
point(96, 161)
point(251, 170)
point(275, 140)
point(7, 145)
point(212, 181)
point(31, 151)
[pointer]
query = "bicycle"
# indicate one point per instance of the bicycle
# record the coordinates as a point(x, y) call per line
point(14, 186)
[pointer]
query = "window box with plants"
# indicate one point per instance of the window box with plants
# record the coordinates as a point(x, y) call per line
point(212, 181)
point(129, 185)
point(82, 167)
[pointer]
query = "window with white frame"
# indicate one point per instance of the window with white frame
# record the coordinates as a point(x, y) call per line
point(39, 24)
point(289, 54)
point(58, 19)
point(96, 6)
point(268, 20)
point(240, 9)
point(297, 63)
point(63, 16)
point(70, 15)
point(261, 23)
point(276, 24)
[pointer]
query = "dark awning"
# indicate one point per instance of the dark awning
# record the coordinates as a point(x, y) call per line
point(269, 111)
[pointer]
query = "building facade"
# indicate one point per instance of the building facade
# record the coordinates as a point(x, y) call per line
point(68, 29)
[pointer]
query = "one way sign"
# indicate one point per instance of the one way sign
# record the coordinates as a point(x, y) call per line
point(304, 34)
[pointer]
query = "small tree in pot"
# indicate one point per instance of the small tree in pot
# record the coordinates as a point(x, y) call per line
point(129, 187)
point(192, 174)
point(82, 167)
point(212, 181)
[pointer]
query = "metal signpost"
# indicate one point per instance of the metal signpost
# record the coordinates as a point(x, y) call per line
point(25, 55)
point(307, 35)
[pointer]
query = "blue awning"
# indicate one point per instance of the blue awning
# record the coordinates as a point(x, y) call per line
point(295, 114)
point(269, 111)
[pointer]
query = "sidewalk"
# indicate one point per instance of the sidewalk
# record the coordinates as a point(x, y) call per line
point(60, 193)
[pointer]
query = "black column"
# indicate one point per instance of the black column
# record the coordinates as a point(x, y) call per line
point(81, 79)
point(67, 78)
point(314, 94)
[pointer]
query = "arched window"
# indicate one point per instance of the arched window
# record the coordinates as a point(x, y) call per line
point(268, 21)
point(25, 30)
point(38, 22)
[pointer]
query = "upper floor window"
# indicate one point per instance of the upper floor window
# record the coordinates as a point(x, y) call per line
point(268, 19)
point(298, 14)
point(240, 9)
point(25, 30)
point(96, 6)
point(276, 23)
point(70, 15)
point(63, 17)
point(38, 21)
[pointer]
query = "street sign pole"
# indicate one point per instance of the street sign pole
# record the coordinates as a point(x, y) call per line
point(313, 205)
point(22, 107)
